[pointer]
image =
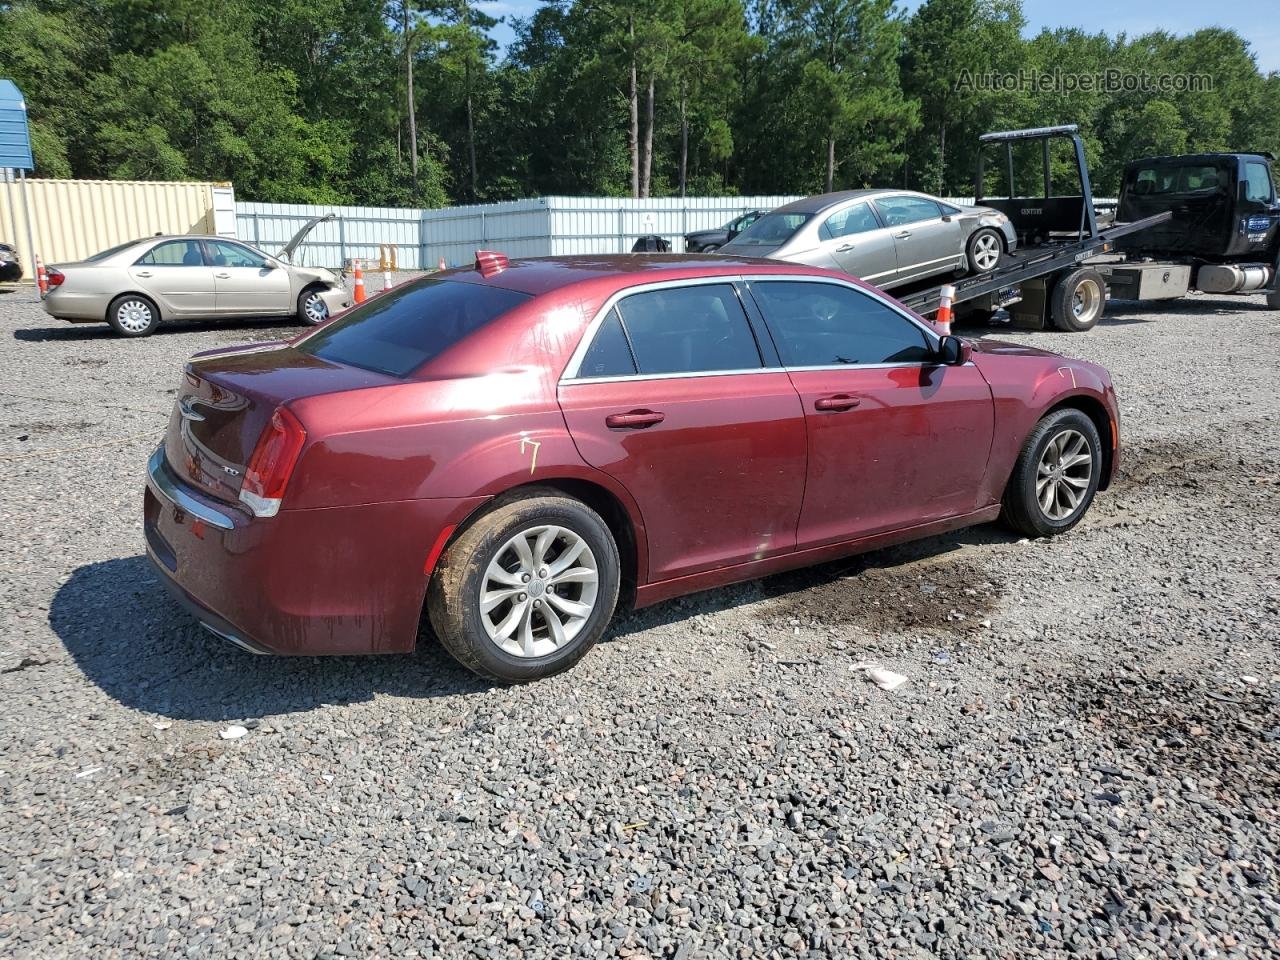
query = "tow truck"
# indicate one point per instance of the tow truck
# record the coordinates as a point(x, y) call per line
point(1049, 278)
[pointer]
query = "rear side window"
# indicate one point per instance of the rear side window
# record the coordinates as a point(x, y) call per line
point(173, 253)
point(827, 324)
point(697, 329)
point(609, 354)
point(399, 331)
point(857, 219)
point(1177, 179)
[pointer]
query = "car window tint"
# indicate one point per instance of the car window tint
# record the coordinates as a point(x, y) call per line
point(1258, 181)
point(699, 329)
point(898, 211)
point(857, 219)
point(772, 229)
point(234, 255)
point(398, 331)
point(110, 252)
point(824, 324)
point(174, 253)
point(609, 354)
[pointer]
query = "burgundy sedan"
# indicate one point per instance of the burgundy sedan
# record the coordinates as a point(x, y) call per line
point(516, 449)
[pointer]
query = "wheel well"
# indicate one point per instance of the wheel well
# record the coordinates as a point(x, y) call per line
point(598, 499)
point(1096, 412)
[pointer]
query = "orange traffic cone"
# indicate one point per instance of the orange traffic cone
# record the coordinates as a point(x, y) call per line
point(42, 278)
point(441, 265)
point(386, 277)
point(358, 293)
point(943, 319)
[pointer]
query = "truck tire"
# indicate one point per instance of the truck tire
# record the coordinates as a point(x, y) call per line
point(1273, 300)
point(1078, 300)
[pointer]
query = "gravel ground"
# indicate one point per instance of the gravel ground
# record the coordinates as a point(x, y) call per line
point(1084, 762)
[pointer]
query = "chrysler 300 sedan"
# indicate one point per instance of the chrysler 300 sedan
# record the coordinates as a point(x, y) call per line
point(510, 452)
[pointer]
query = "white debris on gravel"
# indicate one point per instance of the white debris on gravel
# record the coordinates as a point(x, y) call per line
point(1088, 776)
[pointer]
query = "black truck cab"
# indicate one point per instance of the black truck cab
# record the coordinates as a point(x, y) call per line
point(1223, 204)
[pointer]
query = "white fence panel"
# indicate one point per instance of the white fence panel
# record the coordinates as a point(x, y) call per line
point(519, 228)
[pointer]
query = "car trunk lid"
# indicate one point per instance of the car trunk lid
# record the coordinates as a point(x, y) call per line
point(228, 397)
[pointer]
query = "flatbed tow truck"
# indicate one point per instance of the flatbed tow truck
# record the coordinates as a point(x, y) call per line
point(1049, 278)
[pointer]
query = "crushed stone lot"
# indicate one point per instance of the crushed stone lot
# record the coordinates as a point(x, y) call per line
point(1084, 762)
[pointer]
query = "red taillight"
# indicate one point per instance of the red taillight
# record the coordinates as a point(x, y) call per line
point(55, 277)
point(272, 463)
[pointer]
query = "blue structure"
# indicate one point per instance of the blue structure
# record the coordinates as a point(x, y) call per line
point(15, 136)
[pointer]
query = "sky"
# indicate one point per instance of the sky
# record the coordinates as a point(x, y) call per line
point(1255, 20)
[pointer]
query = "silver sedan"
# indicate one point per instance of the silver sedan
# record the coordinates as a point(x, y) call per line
point(138, 285)
point(885, 237)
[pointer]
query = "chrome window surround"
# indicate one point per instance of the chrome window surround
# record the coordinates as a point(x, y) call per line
point(570, 374)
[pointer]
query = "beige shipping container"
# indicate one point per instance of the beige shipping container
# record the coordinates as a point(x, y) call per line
point(73, 219)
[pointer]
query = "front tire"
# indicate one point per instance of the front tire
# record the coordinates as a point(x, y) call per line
point(1056, 475)
point(312, 310)
point(984, 250)
point(133, 315)
point(527, 589)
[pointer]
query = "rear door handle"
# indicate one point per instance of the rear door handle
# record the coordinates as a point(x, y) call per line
point(837, 403)
point(635, 420)
point(144, 273)
point(903, 235)
point(844, 247)
point(223, 276)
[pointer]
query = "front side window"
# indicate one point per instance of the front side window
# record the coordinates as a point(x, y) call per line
point(399, 331)
point(899, 211)
point(1257, 182)
point(695, 329)
point(827, 324)
point(233, 255)
point(856, 219)
point(173, 253)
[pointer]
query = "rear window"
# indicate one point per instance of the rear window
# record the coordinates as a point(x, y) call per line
point(103, 255)
point(397, 332)
point(772, 229)
point(1167, 179)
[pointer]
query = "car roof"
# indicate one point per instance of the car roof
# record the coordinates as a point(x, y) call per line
point(822, 201)
point(608, 272)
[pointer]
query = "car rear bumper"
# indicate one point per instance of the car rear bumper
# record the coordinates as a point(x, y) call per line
point(331, 580)
point(77, 307)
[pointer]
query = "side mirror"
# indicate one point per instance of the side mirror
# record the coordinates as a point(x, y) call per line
point(271, 264)
point(953, 352)
point(947, 218)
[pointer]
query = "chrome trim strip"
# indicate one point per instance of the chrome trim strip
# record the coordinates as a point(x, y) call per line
point(165, 483)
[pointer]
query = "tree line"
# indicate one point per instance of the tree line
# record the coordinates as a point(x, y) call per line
point(410, 102)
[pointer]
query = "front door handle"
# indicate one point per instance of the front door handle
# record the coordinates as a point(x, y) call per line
point(143, 273)
point(844, 248)
point(903, 235)
point(635, 420)
point(837, 403)
point(223, 276)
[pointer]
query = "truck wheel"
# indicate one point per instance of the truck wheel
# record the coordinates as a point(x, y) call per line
point(1273, 300)
point(1056, 475)
point(527, 589)
point(1078, 300)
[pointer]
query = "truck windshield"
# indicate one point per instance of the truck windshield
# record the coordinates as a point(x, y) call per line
point(1167, 179)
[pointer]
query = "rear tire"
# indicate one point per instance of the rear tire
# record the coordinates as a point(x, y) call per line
point(984, 250)
point(312, 310)
point(1078, 300)
point(133, 315)
point(1051, 487)
point(1273, 300)
point(575, 581)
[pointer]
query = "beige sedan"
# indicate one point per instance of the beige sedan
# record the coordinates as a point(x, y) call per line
point(138, 285)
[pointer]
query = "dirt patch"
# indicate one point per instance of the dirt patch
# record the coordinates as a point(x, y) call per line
point(1226, 738)
point(85, 362)
point(951, 595)
point(38, 428)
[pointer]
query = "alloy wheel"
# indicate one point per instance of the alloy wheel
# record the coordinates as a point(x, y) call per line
point(1063, 474)
point(986, 251)
point(538, 591)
